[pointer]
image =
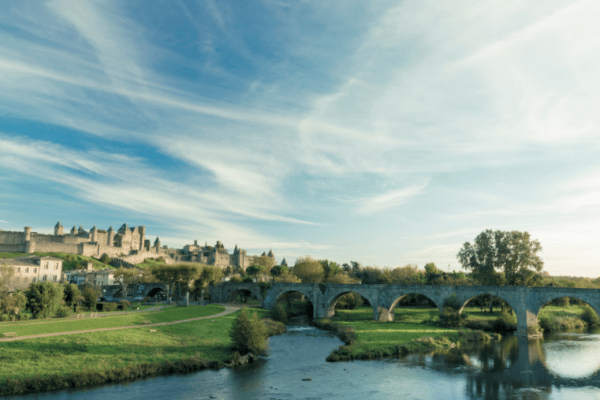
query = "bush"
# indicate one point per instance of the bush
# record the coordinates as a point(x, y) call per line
point(249, 334)
point(248, 279)
point(450, 317)
point(452, 302)
point(4, 317)
point(279, 314)
point(590, 316)
point(124, 304)
point(64, 312)
point(23, 316)
point(111, 306)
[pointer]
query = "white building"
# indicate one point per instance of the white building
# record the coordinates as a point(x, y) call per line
point(33, 269)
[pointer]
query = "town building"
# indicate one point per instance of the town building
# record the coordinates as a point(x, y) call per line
point(31, 269)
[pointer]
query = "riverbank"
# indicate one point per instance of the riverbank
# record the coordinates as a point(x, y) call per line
point(417, 329)
point(93, 358)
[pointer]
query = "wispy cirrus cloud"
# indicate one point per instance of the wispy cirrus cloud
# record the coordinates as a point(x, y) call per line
point(389, 200)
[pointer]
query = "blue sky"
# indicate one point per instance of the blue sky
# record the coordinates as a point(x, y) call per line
point(385, 132)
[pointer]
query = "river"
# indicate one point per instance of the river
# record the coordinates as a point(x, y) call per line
point(561, 366)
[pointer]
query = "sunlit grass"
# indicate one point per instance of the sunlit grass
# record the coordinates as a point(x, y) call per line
point(169, 314)
point(103, 351)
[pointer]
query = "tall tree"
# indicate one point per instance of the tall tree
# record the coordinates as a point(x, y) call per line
point(187, 274)
point(502, 257)
point(308, 270)
point(126, 277)
point(44, 298)
point(168, 276)
point(210, 275)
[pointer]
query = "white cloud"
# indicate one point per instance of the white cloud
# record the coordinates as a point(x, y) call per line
point(393, 199)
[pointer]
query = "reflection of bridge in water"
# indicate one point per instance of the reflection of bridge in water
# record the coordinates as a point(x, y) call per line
point(525, 301)
point(518, 362)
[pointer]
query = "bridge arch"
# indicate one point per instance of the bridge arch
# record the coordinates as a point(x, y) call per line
point(232, 290)
point(334, 293)
point(307, 294)
point(547, 298)
point(387, 313)
point(495, 295)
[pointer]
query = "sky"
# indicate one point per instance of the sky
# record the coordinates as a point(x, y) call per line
point(383, 132)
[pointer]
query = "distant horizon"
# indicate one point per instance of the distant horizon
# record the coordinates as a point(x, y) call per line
point(388, 133)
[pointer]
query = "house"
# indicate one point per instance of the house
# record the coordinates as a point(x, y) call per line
point(31, 269)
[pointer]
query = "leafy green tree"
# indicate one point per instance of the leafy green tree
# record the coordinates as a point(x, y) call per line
point(407, 275)
point(266, 262)
point(44, 298)
point(168, 276)
point(187, 274)
point(210, 275)
point(501, 257)
point(308, 270)
point(249, 334)
point(71, 295)
point(126, 277)
point(105, 258)
point(90, 295)
point(279, 270)
point(256, 270)
point(12, 304)
point(330, 268)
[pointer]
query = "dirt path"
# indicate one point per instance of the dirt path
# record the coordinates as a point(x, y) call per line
point(228, 310)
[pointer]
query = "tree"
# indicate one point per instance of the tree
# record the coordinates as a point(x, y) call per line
point(186, 274)
point(210, 275)
point(249, 334)
point(124, 305)
point(256, 270)
point(12, 304)
point(44, 298)
point(72, 295)
point(90, 295)
point(126, 277)
point(330, 268)
point(266, 262)
point(168, 276)
point(279, 270)
point(502, 257)
point(308, 270)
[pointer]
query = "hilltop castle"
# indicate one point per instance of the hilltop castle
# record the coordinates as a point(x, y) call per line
point(129, 244)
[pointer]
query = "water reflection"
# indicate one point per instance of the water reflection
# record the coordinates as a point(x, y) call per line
point(518, 368)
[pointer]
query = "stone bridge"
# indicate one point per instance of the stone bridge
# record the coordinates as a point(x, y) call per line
point(141, 289)
point(525, 301)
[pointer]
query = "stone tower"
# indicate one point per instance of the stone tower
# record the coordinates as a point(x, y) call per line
point(94, 233)
point(111, 236)
point(29, 244)
point(59, 230)
point(142, 230)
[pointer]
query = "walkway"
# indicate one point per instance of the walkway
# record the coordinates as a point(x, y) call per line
point(228, 310)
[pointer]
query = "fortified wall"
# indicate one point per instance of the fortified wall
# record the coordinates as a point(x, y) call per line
point(127, 243)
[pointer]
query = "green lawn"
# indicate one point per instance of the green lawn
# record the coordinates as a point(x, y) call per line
point(105, 351)
point(409, 324)
point(169, 314)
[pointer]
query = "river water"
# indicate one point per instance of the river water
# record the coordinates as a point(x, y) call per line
point(561, 366)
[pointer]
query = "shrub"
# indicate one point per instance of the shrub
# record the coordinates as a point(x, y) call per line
point(590, 316)
point(4, 317)
point(249, 334)
point(248, 279)
point(23, 316)
point(64, 312)
point(452, 302)
point(124, 304)
point(279, 314)
point(111, 306)
point(450, 317)
point(274, 327)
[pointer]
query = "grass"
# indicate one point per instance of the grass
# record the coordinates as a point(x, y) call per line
point(148, 262)
point(34, 327)
point(413, 329)
point(100, 357)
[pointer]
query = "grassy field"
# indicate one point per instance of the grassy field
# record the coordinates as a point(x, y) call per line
point(169, 314)
point(100, 357)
